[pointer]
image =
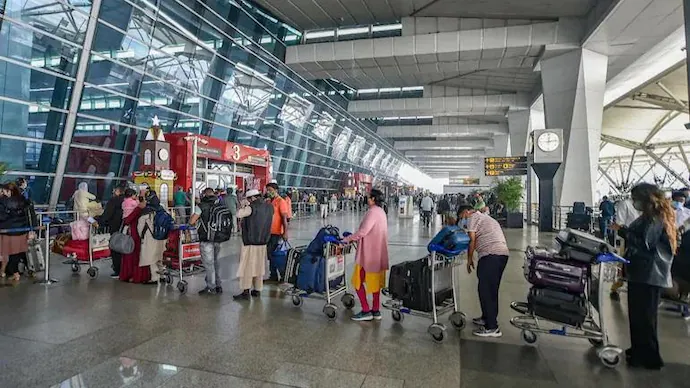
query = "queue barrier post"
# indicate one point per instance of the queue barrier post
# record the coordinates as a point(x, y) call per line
point(47, 280)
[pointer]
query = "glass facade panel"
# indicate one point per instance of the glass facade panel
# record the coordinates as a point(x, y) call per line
point(212, 67)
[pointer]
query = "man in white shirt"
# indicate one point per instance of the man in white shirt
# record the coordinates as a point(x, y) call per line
point(682, 213)
point(625, 215)
point(426, 206)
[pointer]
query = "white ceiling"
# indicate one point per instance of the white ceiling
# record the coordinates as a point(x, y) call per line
point(315, 14)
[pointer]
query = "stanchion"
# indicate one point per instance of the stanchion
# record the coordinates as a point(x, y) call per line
point(46, 278)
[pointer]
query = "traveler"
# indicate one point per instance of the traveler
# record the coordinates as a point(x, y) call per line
point(371, 260)
point(279, 226)
point(323, 205)
point(24, 188)
point(15, 213)
point(426, 206)
point(231, 203)
point(487, 239)
point(651, 242)
point(111, 219)
point(686, 191)
point(288, 201)
point(479, 203)
point(607, 212)
point(82, 197)
point(680, 270)
point(130, 269)
point(210, 250)
point(625, 214)
point(256, 218)
point(443, 208)
point(180, 201)
point(682, 213)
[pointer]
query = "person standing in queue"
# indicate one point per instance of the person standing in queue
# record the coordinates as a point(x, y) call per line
point(371, 261)
point(279, 226)
point(15, 213)
point(210, 250)
point(232, 204)
point(487, 239)
point(651, 242)
point(111, 219)
point(256, 217)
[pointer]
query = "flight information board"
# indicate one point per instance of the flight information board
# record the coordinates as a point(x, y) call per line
point(505, 166)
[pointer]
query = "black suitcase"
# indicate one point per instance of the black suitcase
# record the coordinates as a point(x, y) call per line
point(580, 246)
point(557, 306)
point(579, 221)
point(418, 278)
point(397, 281)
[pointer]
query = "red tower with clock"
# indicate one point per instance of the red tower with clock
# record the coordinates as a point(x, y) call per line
point(154, 164)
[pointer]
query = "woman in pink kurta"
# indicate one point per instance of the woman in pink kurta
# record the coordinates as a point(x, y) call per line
point(371, 262)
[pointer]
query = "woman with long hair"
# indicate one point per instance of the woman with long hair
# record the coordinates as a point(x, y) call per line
point(15, 213)
point(651, 242)
point(371, 261)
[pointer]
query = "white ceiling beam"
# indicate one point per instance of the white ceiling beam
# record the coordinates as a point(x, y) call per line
point(455, 145)
point(488, 105)
point(412, 155)
point(453, 130)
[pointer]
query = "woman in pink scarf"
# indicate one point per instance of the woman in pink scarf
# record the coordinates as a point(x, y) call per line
point(371, 261)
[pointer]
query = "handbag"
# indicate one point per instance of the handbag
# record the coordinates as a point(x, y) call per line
point(80, 230)
point(121, 242)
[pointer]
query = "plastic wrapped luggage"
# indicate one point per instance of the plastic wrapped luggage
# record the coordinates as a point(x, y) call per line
point(80, 248)
point(579, 246)
point(544, 269)
point(557, 306)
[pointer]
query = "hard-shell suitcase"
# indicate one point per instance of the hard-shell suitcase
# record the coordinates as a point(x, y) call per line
point(580, 246)
point(557, 306)
point(420, 286)
point(397, 281)
point(554, 272)
point(35, 261)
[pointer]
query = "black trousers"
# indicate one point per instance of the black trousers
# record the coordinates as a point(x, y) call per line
point(643, 303)
point(13, 263)
point(490, 271)
point(272, 245)
point(117, 261)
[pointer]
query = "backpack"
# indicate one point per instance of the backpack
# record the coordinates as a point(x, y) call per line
point(458, 240)
point(318, 244)
point(163, 223)
point(216, 225)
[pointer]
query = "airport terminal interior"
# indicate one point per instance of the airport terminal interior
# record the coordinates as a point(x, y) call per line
point(545, 109)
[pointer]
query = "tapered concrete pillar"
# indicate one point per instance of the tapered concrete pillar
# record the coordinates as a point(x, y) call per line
point(574, 85)
point(519, 129)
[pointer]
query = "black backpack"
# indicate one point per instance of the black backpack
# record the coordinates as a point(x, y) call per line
point(216, 222)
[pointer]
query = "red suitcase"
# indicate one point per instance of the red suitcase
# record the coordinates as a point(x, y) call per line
point(80, 249)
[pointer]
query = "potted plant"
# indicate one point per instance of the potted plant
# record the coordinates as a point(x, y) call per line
point(509, 192)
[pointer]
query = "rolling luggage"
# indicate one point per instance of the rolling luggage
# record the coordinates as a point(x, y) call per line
point(579, 246)
point(35, 261)
point(411, 283)
point(397, 281)
point(306, 273)
point(557, 306)
point(554, 272)
point(292, 264)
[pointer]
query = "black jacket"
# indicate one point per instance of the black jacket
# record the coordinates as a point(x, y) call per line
point(112, 214)
point(16, 212)
point(256, 229)
point(649, 252)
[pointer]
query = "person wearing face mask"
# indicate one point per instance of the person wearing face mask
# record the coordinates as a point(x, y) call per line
point(279, 226)
point(651, 242)
point(487, 239)
point(679, 199)
point(680, 270)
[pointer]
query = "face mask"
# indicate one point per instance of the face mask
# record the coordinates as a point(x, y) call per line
point(271, 194)
point(677, 205)
point(638, 205)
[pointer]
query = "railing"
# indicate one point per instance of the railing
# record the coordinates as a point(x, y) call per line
point(560, 216)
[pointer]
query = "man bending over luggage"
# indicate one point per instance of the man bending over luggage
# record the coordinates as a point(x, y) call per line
point(487, 239)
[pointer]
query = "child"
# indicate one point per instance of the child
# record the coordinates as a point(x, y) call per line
point(130, 203)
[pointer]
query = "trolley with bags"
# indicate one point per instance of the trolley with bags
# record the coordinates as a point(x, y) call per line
point(320, 275)
point(182, 256)
point(88, 244)
point(427, 288)
point(568, 292)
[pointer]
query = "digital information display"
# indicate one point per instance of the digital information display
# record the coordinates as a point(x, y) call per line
point(505, 166)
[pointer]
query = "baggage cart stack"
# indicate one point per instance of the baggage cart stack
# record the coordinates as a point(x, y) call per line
point(182, 247)
point(568, 288)
point(429, 286)
point(329, 278)
point(86, 252)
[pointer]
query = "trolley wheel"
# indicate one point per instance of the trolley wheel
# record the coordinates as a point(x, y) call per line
point(610, 356)
point(92, 272)
point(529, 336)
point(458, 320)
point(182, 286)
point(397, 316)
point(596, 342)
point(348, 301)
point(76, 268)
point(331, 311)
point(297, 300)
point(437, 332)
point(168, 279)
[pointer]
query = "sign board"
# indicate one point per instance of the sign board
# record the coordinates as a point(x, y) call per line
point(336, 266)
point(190, 251)
point(505, 166)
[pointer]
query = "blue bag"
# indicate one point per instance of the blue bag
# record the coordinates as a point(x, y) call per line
point(317, 245)
point(308, 271)
point(279, 256)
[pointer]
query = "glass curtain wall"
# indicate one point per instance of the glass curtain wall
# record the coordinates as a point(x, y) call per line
point(213, 67)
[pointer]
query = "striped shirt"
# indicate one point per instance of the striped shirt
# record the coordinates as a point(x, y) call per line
point(488, 234)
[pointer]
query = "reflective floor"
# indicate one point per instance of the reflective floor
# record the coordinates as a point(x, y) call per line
point(104, 333)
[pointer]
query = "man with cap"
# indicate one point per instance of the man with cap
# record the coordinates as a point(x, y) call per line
point(279, 225)
point(256, 217)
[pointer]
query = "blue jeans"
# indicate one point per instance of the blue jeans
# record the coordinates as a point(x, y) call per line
point(209, 257)
point(604, 223)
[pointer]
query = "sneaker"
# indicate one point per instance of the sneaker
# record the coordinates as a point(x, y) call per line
point(219, 290)
point(479, 321)
point(484, 332)
point(115, 275)
point(207, 291)
point(255, 293)
point(362, 316)
point(242, 296)
point(377, 315)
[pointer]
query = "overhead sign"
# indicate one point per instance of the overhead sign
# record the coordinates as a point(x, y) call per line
point(505, 166)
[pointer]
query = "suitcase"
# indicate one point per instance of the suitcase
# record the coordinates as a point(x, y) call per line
point(397, 281)
point(544, 270)
point(418, 285)
point(579, 246)
point(292, 264)
point(557, 306)
point(579, 221)
point(35, 261)
point(80, 249)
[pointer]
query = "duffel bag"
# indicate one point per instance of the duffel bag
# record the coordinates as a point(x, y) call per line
point(121, 242)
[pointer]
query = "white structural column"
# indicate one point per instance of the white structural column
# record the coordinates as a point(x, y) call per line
point(519, 129)
point(574, 84)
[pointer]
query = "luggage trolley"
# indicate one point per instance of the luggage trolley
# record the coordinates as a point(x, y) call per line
point(438, 259)
point(335, 254)
point(95, 248)
point(593, 330)
point(188, 250)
